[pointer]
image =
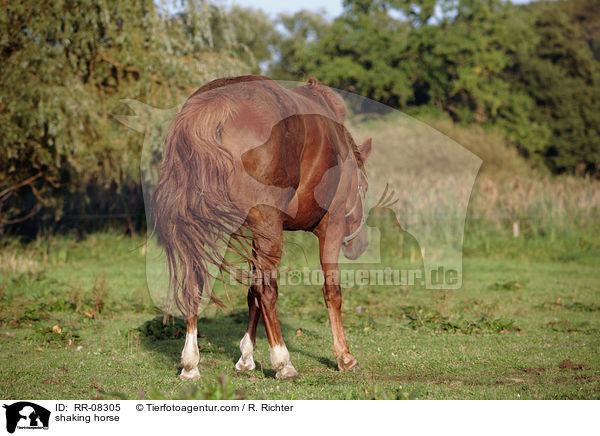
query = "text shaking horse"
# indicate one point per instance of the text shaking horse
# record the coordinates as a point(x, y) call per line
point(246, 153)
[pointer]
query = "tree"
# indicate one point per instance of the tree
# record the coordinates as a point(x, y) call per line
point(299, 29)
point(65, 68)
point(256, 36)
point(563, 77)
point(530, 69)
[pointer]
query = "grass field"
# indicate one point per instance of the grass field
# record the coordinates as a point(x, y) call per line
point(77, 322)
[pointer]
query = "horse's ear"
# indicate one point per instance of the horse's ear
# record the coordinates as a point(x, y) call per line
point(365, 149)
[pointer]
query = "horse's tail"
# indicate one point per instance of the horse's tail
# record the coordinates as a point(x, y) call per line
point(193, 212)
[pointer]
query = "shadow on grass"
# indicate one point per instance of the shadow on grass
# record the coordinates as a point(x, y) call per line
point(217, 335)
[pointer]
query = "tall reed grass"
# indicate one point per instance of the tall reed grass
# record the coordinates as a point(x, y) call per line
point(429, 171)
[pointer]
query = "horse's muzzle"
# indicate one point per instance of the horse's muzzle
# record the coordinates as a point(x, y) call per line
point(355, 249)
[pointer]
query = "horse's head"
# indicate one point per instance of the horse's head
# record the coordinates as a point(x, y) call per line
point(355, 240)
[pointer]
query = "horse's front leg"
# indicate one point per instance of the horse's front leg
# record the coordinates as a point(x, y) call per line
point(332, 292)
point(333, 299)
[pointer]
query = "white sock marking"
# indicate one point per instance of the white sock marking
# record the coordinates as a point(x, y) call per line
point(190, 354)
point(246, 361)
point(280, 361)
point(280, 356)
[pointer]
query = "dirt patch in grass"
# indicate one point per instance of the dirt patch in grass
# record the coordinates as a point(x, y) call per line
point(536, 371)
point(567, 364)
point(575, 306)
point(506, 285)
point(566, 326)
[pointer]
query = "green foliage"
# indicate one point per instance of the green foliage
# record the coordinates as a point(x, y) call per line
point(256, 35)
point(561, 75)
point(531, 70)
point(160, 329)
point(299, 29)
point(54, 336)
point(357, 53)
point(420, 317)
point(65, 68)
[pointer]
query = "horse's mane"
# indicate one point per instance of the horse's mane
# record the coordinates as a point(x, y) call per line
point(354, 147)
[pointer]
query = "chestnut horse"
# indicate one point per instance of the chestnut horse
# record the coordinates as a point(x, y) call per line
point(246, 153)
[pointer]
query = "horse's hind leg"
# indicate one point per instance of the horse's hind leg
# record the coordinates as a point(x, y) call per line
point(280, 357)
point(268, 245)
point(246, 361)
point(191, 354)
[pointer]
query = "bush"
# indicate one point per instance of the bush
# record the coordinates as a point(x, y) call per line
point(64, 71)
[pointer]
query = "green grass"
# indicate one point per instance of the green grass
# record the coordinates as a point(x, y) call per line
point(77, 322)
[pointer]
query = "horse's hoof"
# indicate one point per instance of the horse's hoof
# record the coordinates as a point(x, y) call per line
point(288, 372)
point(355, 368)
point(192, 374)
point(348, 364)
point(241, 365)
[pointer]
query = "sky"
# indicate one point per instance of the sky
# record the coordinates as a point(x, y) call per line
point(273, 7)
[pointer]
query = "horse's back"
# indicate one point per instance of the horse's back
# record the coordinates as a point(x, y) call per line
point(283, 142)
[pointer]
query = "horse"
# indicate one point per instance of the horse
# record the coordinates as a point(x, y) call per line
point(246, 159)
